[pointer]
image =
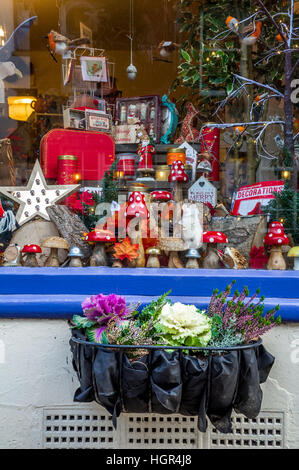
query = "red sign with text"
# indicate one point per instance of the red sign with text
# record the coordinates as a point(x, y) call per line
point(249, 199)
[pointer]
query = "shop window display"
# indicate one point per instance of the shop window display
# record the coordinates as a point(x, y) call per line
point(149, 134)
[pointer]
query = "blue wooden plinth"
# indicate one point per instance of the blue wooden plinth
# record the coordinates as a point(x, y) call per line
point(58, 292)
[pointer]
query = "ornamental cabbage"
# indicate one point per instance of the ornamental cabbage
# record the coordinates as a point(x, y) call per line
point(185, 325)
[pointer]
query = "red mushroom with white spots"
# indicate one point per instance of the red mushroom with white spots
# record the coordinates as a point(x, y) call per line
point(29, 255)
point(178, 176)
point(161, 196)
point(276, 238)
point(99, 237)
point(211, 260)
point(137, 209)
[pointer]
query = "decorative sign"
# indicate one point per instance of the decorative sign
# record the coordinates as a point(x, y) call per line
point(203, 191)
point(191, 157)
point(37, 195)
point(97, 121)
point(125, 134)
point(249, 199)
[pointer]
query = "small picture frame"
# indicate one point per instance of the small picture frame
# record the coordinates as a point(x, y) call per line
point(86, 32)
point(97, 121)
point(94, 69)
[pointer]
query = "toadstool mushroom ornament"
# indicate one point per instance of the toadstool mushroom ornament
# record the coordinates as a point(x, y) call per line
point(192, 257)
point(160, 201)
point(54, 243)
point(137, 228)
point(74, 259)
point(99, 238)
point(29, 255)
point(179, 177)
point(211, 260)
point(276, 238)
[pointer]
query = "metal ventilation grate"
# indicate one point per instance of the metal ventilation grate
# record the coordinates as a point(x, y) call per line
point(77, 429)
point(266, 432)
point(156, 431)
point(90, 427)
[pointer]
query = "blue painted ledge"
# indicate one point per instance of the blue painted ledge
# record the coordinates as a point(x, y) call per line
point(58, 292)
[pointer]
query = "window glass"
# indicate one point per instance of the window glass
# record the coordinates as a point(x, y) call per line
point(186, 110)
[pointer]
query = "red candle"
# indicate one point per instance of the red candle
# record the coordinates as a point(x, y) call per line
point(126, 164)
point(211, 143)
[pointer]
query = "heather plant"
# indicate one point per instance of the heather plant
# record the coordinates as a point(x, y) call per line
point(239, 320)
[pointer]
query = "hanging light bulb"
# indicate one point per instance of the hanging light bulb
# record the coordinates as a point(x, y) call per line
point(131, 69)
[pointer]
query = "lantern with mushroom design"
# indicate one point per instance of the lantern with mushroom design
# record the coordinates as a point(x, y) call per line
point(179, 177)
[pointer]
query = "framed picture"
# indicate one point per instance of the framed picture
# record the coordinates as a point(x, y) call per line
point(97, 121)
point(144, 109)
point(86, 32)
point(94, 69)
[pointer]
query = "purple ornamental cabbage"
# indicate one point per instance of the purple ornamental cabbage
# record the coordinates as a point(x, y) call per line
point(103, 308)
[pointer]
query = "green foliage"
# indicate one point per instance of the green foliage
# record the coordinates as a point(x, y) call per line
point(81, 322)
point(285, 207)
point(208, 63)
point(224, 336)
point(88, 217)
point(152, 310)
point(109, 188)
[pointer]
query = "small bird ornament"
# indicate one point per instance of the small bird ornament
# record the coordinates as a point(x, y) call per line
point(232, 23)
point(249, 39)
point(59, 44)
point(249, 35)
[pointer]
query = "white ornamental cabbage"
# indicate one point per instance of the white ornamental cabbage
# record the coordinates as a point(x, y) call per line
point(185, 325)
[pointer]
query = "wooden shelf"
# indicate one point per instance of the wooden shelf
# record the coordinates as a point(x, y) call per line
point(160, 148)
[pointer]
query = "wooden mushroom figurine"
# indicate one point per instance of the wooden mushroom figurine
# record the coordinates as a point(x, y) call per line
point(75, 256)
point(211, 260)
point(99, 238)
point(173, 246)
point(276, 238)
point(178, 176)
point(54, 243)
point(137, 210)
point(153, 259)
point(192, 256)
point(294, 253)
point(29, 255)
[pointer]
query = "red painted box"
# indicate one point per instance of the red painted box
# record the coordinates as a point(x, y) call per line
point(95, 152)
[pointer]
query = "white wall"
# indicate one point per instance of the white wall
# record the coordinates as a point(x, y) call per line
point(36, 375)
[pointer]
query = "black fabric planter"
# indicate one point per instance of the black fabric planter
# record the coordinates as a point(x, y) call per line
point(165, 382)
